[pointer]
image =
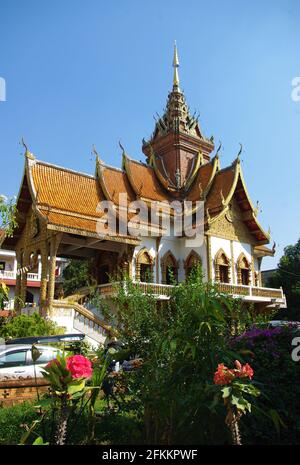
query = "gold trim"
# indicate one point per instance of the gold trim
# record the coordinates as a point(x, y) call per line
point(199, 162)
point(232, 262)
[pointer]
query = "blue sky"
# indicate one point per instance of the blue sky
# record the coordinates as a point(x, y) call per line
point(95, 72)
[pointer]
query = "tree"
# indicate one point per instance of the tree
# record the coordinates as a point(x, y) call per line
point(25, 326)
point(3, 295)
point(8, 215)
point(75, 276)
point(287, 275)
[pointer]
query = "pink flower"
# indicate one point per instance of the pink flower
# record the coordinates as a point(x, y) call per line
point(79, 366)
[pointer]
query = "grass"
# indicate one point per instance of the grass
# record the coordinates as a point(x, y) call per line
point(111, 427)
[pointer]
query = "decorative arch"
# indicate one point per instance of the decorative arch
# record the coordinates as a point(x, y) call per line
point(243, 270)
point(144, 266)
point(193, 259)
point(169, 268)
point(222, 267)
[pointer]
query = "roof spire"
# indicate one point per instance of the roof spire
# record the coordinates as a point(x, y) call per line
point(175, 66)
point(28, 154)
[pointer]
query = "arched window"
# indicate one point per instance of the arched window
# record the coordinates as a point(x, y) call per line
point(169, 268)
point(243, 270)
point(192, 260)
point(222, 267)
point(144, 266)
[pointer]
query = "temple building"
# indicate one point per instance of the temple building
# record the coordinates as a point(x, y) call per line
point(68, 214)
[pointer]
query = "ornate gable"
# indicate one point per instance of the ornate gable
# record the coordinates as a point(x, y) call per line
point(231, 225)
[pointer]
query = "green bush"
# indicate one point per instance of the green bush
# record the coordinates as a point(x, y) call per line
point(276, 418)
point(25, 326)
point(181, 343)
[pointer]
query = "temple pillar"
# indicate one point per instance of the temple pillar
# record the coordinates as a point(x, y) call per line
point(17, 267)
point(209, 258)
point(23, 287)
point(54, 243)
point(44, 274)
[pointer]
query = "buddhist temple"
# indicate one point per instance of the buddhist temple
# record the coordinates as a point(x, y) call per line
point(67, 214)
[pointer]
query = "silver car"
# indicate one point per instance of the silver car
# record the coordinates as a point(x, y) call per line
point(16, 360)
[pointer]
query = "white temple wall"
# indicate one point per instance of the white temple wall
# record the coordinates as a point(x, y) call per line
point(179, 247)
point(218, 243)
point(238, 248)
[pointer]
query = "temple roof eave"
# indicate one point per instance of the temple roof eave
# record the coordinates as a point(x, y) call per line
point(215, 214)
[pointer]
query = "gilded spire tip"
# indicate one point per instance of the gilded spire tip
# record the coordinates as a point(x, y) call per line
point(28, 154)
point(175, 66)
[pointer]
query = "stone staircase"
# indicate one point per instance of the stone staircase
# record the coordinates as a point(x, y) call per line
point(74, 317)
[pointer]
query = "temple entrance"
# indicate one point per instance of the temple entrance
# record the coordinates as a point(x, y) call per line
point(103, 276)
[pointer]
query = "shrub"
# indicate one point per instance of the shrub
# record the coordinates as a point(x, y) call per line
point(25, 325)
point(181, 342)
point(269, 352)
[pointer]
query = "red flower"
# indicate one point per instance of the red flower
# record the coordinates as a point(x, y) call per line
point(243, 371)
point(223, 375)
point(79, 366)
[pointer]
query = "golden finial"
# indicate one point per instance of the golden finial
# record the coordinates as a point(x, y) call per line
point(207, 214)
point(122, 148)
point(240, 151)
point(96, 154)
point(27, 153)
point(94, 151)
point(175, 66)
point(218, 149)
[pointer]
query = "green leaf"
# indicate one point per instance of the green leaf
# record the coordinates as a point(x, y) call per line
point(226, 392)
point(76, 387)
point(278, 423)
point(173, 345)
point(40, 442)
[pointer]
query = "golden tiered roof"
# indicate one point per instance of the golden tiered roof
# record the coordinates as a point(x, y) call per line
point(178, 167)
